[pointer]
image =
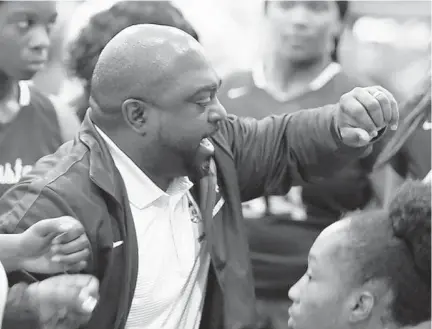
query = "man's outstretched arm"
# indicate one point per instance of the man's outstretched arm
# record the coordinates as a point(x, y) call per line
point(277, 152)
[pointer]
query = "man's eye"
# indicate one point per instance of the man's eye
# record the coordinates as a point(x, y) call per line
point(204, 101)
point(24, 24)
point(49, 27)
point(317, 5)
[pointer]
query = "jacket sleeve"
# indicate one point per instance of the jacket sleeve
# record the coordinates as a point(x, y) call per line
point(27, 203)
point(277, 152)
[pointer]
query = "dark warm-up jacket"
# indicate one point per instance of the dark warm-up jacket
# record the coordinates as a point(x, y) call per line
point(252, 158)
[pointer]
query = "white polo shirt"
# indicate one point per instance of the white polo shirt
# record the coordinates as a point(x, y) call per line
point(173, 264)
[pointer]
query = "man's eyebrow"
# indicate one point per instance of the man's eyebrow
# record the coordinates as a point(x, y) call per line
point(20, 12)
point(209, 87)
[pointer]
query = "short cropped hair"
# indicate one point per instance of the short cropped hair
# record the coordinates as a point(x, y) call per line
point(102, 27)
point(343, 7)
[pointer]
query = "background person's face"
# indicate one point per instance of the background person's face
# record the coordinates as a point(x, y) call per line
point(24, 37)
point(320, 296)
point(302, 30)
point(188, 109)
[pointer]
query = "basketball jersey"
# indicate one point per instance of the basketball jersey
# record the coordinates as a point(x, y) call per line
point(32, 134)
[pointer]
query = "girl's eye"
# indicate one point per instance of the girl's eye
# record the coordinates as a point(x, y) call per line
point(205, 100)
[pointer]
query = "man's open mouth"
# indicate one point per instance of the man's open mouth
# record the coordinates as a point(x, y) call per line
point(206, 146)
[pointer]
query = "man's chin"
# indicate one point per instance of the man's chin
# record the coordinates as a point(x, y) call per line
point(291, 324)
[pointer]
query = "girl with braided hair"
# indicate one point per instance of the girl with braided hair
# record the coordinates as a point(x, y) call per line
point(370, 270)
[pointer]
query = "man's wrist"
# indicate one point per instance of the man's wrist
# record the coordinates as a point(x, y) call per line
point(12, 257)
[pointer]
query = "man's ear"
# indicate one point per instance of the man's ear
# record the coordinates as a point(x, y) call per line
point(135, 113)
point(361, 306)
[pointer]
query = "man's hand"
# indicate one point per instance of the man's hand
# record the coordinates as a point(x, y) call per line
point(54, 245)
point(363, 112)
point(64, 301)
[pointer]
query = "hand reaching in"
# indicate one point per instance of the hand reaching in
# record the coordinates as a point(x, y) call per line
point(64, 301)
point(54, 245)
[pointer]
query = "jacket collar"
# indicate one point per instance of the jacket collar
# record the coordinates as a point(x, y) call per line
point(103, 171)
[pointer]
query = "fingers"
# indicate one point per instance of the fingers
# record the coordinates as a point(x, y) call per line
point(394, 108)
point(48, 227)
point(78, 292)
point(365, 111)
point(74, 246)
point(72, 266)
point(356, 114)
point(70, 229)
point(74, 255)
point(356, 136)
point(373, 107)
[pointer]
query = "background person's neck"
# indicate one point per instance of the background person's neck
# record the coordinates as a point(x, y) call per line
point(9, 99)
point(286, 76)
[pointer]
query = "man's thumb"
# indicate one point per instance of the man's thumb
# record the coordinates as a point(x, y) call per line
point(355, 137)
point(48, 226)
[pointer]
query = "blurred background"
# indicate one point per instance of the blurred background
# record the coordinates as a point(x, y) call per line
point(386, 42)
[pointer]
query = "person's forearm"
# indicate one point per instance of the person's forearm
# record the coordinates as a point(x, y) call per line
point(19, 311)
point(10, 251)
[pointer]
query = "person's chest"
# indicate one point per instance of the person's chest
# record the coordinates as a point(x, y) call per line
point(166, 226)
point(173, 263)
point(22, 143)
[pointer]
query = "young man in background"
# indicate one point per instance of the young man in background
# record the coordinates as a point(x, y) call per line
point(298, 70)
point(31, 126)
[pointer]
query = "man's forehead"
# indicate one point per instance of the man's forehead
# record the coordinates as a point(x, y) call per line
point(194, 70)
point(329, 242)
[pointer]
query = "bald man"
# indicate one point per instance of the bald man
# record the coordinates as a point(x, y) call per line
point(159, 171)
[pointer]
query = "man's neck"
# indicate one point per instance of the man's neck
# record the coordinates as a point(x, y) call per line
point(150, 161)
point(9, 99)
point(8, 88)
point(290, 78)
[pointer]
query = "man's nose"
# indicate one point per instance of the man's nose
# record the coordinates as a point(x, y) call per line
point(217, 113)
point(300, 16)
point(293, 293)
point(39, 39)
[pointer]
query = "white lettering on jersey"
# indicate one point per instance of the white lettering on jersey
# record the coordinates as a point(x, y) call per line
point(12, 175)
